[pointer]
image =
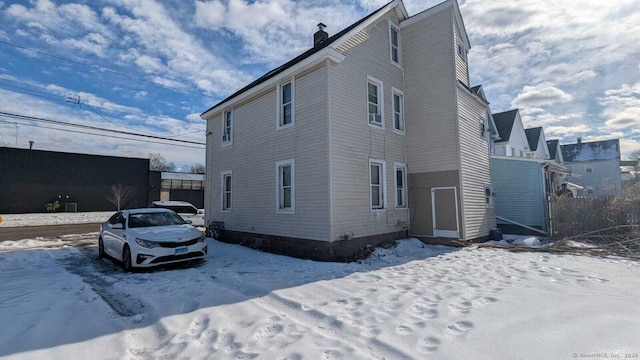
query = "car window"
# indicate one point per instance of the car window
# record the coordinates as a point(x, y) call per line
point(112, 219)
point(155, 219)
point(120, 219)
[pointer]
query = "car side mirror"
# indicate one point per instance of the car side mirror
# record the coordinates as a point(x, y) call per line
point(189, 221)
point(117, 226)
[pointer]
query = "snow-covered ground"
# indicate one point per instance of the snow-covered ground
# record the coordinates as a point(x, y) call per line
point(16, 220)
point(408, 302)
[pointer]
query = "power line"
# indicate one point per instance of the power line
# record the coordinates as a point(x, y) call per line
point(38, 119)
point(96, 67)
point(103, 135)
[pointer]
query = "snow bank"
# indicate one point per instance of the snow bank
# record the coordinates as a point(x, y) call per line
point(16, 220)
point(524, 240)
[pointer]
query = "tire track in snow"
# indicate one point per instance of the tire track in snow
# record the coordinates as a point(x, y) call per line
point(94, 271)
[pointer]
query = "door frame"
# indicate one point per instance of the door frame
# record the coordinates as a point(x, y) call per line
point(445, 233)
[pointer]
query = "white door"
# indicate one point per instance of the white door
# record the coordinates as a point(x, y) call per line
point(444, 207)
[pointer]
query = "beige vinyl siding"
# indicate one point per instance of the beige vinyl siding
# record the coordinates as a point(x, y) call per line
point(430, 94)
point(475, 168)
point(252, 157)
point(462, 69)
point(354, 142)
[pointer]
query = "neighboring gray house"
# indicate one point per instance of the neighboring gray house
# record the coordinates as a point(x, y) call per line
point(595, 166)
point(371, 135)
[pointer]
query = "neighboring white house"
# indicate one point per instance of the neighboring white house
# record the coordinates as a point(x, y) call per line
point(555, 152)
point(513, 139)
point(371, 135)
point(595, 166)
point(537, 143)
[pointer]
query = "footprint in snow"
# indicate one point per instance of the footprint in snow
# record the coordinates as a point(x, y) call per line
point(190, 305)
point(428, 344)
point(483, 301)
point(460, 328)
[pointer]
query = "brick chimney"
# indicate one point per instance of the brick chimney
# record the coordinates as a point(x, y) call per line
point(579, 140)
point(320, 36)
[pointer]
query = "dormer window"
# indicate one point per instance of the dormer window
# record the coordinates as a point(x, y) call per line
point(394, 44)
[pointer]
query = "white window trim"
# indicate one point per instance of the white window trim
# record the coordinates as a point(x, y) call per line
point(394, 92)
point(380, 85)
point(224, 127)
point(484, 128)
point(383, 185)
point(279, 103)
point(397, 29)
point(223, 190)
point(489, 204)
point(279, 164)
point(405, 198)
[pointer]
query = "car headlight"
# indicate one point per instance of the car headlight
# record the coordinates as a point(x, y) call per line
point(146, 243)
point(202, 238)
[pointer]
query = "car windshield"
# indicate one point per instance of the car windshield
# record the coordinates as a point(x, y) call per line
point(155, 219)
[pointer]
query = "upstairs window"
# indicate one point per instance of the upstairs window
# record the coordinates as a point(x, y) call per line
point(398, 110)
point(483, 127)
point(462, 52)
point(285, 191)
point(394, 42)
point(375, 102)
point(286, 104)
point(227, 126)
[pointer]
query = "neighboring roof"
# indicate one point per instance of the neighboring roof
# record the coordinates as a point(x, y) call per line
point(298, 58)
point(553, 147)
point(533, 137)
point(504, 123)
point(595, 150)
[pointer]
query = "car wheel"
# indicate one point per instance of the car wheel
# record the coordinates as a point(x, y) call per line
point(126, 259)
point(100, 248)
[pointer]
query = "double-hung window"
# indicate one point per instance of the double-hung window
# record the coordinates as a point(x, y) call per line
point(286, 104)
point(488, 196)
point(286, 186)
point(377, 184)
point(375, 102)
point(398, 110)
point(400, 185)
point(226, 191)
point(227, 127)
point(394, 44)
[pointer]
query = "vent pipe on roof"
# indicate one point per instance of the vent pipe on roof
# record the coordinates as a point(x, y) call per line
point(579, 140)
point(320, 36)
point(31, 144)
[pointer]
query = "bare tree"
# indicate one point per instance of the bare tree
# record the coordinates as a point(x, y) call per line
point(157, 162)
point(119, 195)
point(197, 169)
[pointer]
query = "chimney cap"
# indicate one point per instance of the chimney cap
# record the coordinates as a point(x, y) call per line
point(321, 26)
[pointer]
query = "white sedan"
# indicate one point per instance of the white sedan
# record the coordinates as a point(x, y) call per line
point(150, 237)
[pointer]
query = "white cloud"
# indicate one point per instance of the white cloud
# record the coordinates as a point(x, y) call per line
point(62, 25)
point(621, 107)
point(543, 94)
point(566, 131)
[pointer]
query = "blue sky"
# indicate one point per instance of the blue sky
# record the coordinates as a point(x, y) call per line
point(151, 67)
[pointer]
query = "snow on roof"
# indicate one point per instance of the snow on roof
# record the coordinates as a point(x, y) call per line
point(595, 150)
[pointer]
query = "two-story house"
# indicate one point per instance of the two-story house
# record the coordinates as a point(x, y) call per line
point(595, 166)
point(371, 135)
